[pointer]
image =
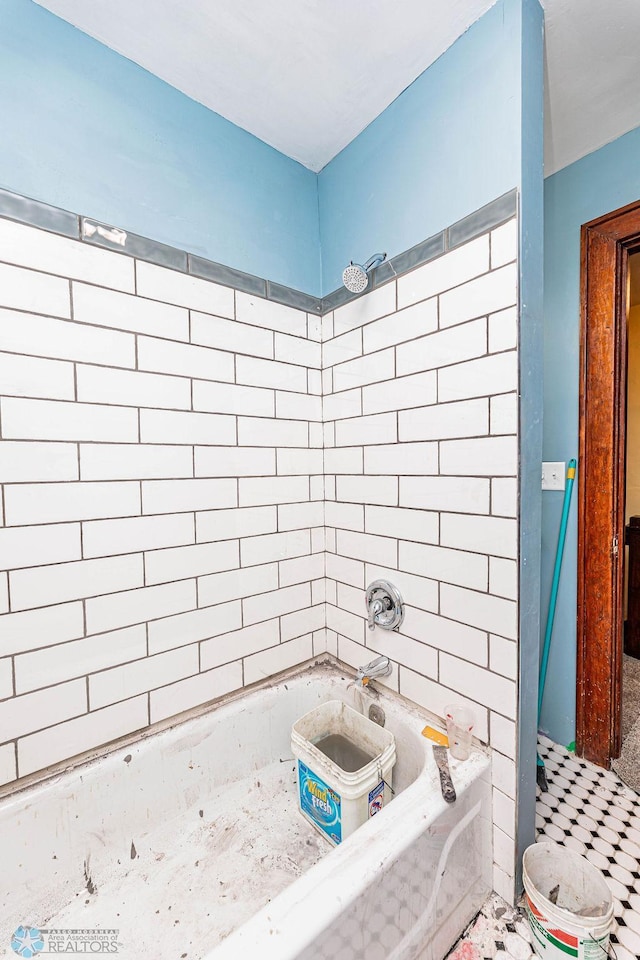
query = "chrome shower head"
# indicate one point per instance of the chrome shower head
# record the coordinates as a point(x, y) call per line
point(356, 277)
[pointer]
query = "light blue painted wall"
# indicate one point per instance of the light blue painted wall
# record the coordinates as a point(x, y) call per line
point(597, 184)
point(85, 129)
point(89, 131)
point(446, 146)
point(466, 131)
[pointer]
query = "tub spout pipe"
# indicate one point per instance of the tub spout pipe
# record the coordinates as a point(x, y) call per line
point(380, 667)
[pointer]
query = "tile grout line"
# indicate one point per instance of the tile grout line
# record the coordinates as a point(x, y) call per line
point(309, 481)
point(504, 208)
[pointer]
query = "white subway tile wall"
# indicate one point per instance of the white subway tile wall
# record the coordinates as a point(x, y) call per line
point(421, 474)
point(161, 521)
point(197, 485)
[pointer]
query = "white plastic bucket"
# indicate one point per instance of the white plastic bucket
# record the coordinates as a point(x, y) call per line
point(335, 801)
point(559, 930)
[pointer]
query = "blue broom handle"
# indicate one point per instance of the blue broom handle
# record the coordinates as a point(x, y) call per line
point(571, 472)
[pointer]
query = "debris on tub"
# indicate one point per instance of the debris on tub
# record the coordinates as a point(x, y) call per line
point(90, 885)
point(241, 839)
point(553, 894)
point(127, 759)
point(134, 852)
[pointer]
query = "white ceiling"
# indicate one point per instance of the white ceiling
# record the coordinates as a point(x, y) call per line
point(592, 76)
point(307, 76)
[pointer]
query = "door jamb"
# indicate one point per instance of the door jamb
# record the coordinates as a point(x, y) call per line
point(605, 246)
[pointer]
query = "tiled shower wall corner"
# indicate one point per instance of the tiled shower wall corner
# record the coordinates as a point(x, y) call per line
point(165, 504)
point(421, 462)
point(162, 494)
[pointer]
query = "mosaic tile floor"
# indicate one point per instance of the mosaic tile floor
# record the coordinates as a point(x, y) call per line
point(592, 812)
point(499, 931)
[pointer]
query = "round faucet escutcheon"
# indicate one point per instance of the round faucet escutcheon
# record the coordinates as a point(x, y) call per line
point(385, 607)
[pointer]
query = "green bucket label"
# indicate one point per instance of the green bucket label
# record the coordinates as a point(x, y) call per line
point(547, 938)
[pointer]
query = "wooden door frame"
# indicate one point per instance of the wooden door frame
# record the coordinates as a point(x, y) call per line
point(605, 246)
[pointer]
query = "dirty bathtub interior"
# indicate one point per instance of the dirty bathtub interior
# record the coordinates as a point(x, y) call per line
point(190, 843)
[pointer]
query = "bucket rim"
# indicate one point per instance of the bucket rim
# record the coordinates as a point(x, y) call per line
point(369, 773)
point(534, 893)
point(381, 733)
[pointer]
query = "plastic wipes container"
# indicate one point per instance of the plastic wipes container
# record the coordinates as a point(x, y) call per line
point(569, 904)
point(345, 764)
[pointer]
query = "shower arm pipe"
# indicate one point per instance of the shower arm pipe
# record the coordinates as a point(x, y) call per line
point(571, 472)
point(374, 261)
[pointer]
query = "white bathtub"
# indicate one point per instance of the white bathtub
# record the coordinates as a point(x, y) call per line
point(189, 844)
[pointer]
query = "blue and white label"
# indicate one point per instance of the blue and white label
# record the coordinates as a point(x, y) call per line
point(376, 799)
point(320, 803)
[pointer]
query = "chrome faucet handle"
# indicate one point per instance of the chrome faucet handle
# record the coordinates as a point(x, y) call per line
point(375, 607)
point(384, 605)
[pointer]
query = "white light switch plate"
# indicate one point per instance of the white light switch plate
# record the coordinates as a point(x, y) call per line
point(553, 474)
